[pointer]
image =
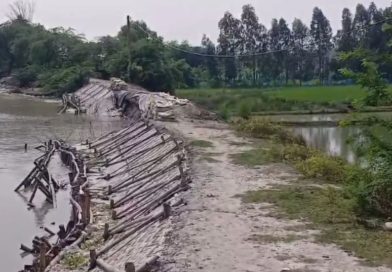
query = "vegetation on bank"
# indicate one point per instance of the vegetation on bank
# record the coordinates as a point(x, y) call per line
point(245, 102)
point(340, 199)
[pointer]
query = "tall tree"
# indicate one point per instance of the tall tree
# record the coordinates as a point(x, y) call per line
point(360, 25)
point(252, 33)
point(275, 46)
point(229, 44)
point(321, 32)
point(210, 62)
point(300, 35)
point(344, 37)
point(377, 39)
point(286, 42)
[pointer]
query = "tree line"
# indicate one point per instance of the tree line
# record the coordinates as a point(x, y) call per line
point(246, 54)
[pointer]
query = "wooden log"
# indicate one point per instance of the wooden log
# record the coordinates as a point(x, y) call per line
point(34, 192)
point(130, 267)
point(115, 160)
point(166, 210)
point(148, 265)
point(62, 232)
point(129, 181)
point(124, 138)
point(132, 194)
point(113, 243)
point(51, 233)
point(26, 249)
point(42, 258)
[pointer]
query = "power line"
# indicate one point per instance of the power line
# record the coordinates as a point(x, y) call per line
point(258, 53)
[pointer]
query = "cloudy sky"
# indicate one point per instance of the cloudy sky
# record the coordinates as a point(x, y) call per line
point(175, 19)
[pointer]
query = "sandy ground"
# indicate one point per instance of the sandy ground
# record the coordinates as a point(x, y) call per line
point(215, 231)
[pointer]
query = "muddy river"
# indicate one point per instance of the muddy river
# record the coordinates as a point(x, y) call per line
point(32, 121)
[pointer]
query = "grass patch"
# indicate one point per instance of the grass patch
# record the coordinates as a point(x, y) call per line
point(74, 260)
point(269, 239)
point(320, 93)
point(244, 102)
point(202, 143)
point(209, 159)
point(263, 128)
point(250, 158)
point(333, 212)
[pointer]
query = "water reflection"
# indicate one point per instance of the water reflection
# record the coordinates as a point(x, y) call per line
point(320, 134)
point(332, 140)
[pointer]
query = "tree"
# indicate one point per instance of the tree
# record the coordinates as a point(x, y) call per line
point(275, 45)
point(321, 33)
point(286, 42)
point(344, 37)
point(376, 38)
point(210, 62)
point(360, 25)
point(252, 33)
point(229, 44)
point(300, 34)
point(21, 10)
point(280, 43)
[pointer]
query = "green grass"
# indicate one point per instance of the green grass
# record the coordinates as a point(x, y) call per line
point(333, 212)
point(74, 260)
point(250, 158)
point(202, 143)
point(272, 239)
point(234, 102)
point(320, 93)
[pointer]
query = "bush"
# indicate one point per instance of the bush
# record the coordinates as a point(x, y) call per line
point(224, 112)
point(244, 111)
point(27, 76)
point(258, 128)
point(332, 169)
point(64, 80)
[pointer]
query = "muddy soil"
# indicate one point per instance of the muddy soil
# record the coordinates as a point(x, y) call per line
point(217, 232)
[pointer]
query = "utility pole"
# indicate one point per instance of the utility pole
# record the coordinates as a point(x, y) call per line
point(129, 47)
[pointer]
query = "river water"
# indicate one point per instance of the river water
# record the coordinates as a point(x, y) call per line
point(33, 121)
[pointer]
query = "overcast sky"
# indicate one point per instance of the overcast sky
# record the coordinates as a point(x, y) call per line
point(176, 19)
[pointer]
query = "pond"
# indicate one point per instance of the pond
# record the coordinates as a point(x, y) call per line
point(322, 132)
point(33, 121)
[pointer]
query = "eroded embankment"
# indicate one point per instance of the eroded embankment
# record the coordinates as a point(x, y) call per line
point(133, 178)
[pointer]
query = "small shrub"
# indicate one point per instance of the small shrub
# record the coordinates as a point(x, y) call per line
point(258, 127)
point(224, 113)
point(64, 80)
point(287, 137)
point(27, 76)
point(244, 110)
point(332, 169)
point(74, 260)
point(201, 143)
point(250, 158)
point(290, 153)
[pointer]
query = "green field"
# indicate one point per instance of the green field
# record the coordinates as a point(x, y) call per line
point(243, 101)
point(320, 94)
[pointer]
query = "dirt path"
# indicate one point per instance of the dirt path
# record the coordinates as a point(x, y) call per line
point(217, 232)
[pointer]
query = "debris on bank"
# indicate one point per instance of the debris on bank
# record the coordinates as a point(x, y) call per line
point(116, 97)
point(44, 250)
point(133, 179)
